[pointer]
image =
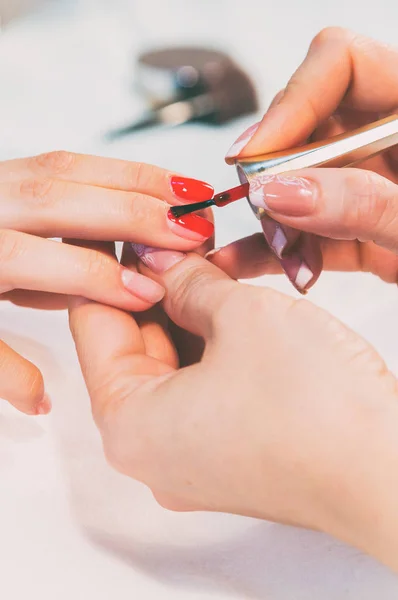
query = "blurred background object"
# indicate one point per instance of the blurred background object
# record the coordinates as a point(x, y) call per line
point(11, 9)
point(189, 84)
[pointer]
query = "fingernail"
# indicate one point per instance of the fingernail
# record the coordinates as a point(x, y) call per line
point(191, 190)
point(44, 407)
point(303, 276)
point(191, 227)
point(142, 286)
point(157, 259)
point(286, 195)
point(242, 141)
point(303, 266)
point(280, 238)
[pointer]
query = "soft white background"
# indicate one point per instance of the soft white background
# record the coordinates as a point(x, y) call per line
point(69, 526)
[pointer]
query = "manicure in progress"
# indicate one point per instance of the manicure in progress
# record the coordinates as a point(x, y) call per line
point(191, 227)
point(190, 190)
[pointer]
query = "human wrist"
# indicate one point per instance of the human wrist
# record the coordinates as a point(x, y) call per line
point(363, 502)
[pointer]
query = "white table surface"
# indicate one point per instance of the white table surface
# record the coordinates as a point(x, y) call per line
point(70, 528)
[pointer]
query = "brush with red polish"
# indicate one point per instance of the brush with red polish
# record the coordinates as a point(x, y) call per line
point(222, 199)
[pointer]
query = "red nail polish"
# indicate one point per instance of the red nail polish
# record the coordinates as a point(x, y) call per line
point(191, 189)
point(194, 223)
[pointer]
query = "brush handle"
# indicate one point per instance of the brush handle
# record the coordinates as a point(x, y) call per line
point(340, 151)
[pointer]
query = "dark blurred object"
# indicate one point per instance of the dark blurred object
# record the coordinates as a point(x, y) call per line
point(185, 84)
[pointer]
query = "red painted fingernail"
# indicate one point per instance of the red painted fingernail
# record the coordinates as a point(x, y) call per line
point(191, 227)
point(191, 190)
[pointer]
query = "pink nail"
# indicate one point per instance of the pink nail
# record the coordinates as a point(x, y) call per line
point(142, 286)
point(157, 259)
point(286, 195)
point(242, 141)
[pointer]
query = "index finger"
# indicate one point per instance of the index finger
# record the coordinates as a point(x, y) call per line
point(108, 173)
point(340, 66)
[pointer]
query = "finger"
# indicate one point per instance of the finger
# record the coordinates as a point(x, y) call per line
point(53, 208)
point(37, 300)
point(195, 289)
point(251, 257)
point(112, 354)
point(246, 258)
point(153, 324)
point(107, 173)
point(21, 383)
point(33, 263)
point(337, 203)
point(340, 65)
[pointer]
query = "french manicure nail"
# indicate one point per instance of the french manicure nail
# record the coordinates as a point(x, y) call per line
point(157, 259)
point(303, 277)
point(191, 190)
point(142, 286)
point(286, 195)
point(242, 141)
point(44, 407)
point(280, 238)
point(191, 227)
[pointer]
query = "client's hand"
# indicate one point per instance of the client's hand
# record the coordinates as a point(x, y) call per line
point(67, 195)
point(288, 416)
point(345, 82)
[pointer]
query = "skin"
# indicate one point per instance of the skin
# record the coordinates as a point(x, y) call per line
point(345, 81)
point(73, 196)
point(283, 413)
point(252, 427)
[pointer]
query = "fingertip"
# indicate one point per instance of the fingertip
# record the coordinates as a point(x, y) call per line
point(142, 287)
point(45, 406)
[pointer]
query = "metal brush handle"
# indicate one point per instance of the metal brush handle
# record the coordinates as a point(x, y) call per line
point(343, 150)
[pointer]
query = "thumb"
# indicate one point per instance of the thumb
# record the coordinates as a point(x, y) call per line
point(195, 289)
point(336, 203)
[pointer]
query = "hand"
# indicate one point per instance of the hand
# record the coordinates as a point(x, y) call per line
point(289, 416)
point(67, 195)
point(345, 82)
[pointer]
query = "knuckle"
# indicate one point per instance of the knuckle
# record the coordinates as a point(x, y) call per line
point(194, 283)
point(138, 209)
point(96, 264)
point(37, 191)
point(53, 163)
point(367, 202)
point(331, 34)
point(365, 44)
point(186, 285)
point(11, 246)
point(140, 175)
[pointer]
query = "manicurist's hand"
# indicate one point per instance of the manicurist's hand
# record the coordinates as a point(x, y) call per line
point(287, 416)
point(345, 81)
point(68, 195)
